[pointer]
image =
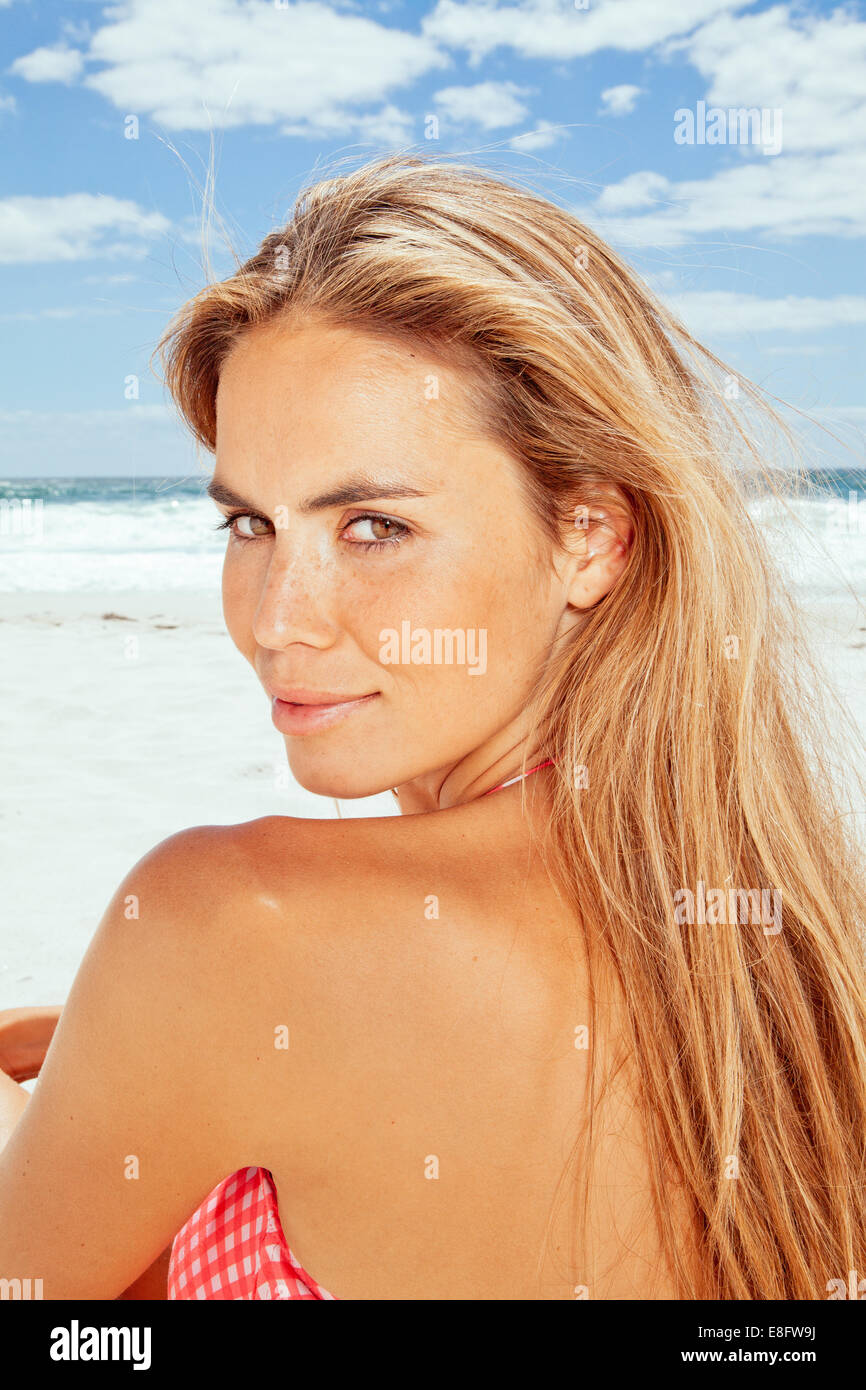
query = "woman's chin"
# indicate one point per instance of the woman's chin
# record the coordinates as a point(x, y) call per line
point(339, 785)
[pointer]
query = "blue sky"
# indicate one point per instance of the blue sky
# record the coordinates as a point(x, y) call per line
point(760, 253)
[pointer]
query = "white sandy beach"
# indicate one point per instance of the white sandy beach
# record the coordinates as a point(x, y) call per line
point(108, 749)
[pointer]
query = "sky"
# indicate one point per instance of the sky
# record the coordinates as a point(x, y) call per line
point(617, 109)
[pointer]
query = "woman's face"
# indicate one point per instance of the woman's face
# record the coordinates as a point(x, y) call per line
point(381, 555)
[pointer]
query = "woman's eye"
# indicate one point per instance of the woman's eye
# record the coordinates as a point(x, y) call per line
point(365, 532)
point(250, 525)
point(246, 526)
point(375, 530)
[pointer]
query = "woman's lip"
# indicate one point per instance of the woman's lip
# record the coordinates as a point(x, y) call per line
point(305, 695)
point(295, 718)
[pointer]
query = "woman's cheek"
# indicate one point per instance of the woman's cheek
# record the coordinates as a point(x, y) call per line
point(372, 605)
point(239, 599)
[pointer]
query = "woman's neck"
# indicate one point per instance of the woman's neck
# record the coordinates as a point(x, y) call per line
point(481, 771)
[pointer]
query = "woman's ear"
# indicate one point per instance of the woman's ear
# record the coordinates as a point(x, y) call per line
point(596, 551)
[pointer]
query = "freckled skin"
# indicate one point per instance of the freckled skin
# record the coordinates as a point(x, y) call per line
point(300, 410)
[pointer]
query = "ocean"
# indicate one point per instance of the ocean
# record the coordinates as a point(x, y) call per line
point(153, 533)
point(63, 534)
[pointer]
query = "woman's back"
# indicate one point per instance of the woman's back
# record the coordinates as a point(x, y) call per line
point(411, 1060)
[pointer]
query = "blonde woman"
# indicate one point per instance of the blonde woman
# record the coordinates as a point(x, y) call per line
point(486, 547)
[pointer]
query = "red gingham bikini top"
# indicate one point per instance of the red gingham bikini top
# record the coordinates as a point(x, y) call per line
point(233, 1246)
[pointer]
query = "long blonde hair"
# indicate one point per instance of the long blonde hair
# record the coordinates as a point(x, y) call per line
point(690, 744)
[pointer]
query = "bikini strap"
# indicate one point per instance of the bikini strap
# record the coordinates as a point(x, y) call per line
point(520, 776)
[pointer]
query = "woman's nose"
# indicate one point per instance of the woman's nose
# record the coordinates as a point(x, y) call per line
point(293, 604)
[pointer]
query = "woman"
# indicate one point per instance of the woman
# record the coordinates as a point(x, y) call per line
point(487, 548)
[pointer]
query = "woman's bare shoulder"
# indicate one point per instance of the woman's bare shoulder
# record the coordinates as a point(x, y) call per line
point(325, 858)
point(325, 907)
point(235, 891)
point(226, 894)
point(203, 865)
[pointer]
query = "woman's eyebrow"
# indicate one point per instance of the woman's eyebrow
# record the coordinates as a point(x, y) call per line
point(360, 489)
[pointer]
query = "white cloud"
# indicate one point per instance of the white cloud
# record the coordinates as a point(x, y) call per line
point(544, 134)
point(727, 313)
point(638, 190)
point(784, 198)
point(308, 67)
point(621, 100)
point(555, 29)
point(487, 104)
point(49, 65)
point(387, 126)
point(123, 278)
point(812, 67)
point(74, 227)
